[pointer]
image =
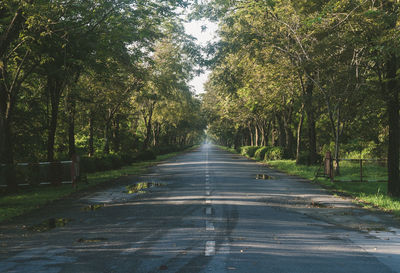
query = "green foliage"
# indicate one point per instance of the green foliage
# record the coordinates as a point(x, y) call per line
point(248, 150)
point(274, 153)
point(114, 73)
point(260, 153)
point(101, 163)
point(303, 158)
point(326, 73)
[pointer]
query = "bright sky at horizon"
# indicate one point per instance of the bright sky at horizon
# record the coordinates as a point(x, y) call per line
point(194, 28)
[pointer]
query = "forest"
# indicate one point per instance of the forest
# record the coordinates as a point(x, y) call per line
point(109, 79)
point(307, 77)
point(102, 79)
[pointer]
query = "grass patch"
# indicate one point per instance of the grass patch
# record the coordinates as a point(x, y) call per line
point(369, 194)
point(28, 199)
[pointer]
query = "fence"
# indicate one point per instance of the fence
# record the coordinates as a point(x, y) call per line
point(354, 170)
point(43, 173)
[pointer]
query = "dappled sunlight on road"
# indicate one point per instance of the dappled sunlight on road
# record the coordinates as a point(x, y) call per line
point(211, 214)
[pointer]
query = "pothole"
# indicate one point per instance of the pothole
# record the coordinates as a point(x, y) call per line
point(263, 176)
point(49, 224)
point(141, 187)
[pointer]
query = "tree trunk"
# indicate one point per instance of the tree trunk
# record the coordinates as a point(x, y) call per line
point(106, 148)
point(262, 132)
point(393, 107)
point(256, 140)
point(116, 135)
point(71, 127)
point(91, 136)
point(299, 129)
point(71, 135)
point(312, 139)
point(54, 89)
point(282, 133)
point(250, 134)
point(148, 122)
point(337, 143)
point(8, 157)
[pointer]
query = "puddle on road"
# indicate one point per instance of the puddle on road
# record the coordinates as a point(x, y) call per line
point(141, 187)
point(91, 240)
point(93, 207)
point(50, 224)
point(264, 176)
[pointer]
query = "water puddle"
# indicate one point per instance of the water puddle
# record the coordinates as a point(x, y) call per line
point(50, 224)
point(264, 176)
point(93, 207)
point(141, 187)
point(91, 240)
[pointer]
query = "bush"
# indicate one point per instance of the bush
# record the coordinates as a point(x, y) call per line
point(128, 158)
point(101, 163)
point(274, 153)
point(167, 149)
point(145, 155)
point(303, 158)
point(248, 150)
point(260, 153)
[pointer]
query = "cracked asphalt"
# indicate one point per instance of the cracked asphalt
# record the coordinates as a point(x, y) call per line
point(204, 211)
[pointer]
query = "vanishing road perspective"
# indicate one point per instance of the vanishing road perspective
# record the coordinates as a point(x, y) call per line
point(203, 211)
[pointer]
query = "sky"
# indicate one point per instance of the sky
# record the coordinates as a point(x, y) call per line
point(194, 29)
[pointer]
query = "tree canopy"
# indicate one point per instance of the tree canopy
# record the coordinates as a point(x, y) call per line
point(308, 76)
point(93, 78)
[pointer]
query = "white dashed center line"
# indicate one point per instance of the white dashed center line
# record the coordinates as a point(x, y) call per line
point(209, 226)
point(210, 248)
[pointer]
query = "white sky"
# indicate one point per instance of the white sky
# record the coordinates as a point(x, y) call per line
point(194, 29)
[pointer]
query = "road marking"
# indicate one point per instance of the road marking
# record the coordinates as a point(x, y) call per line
point(208, 188)
point(208, 192)
point(208, 210)
point(209, 226)
point(210, 248)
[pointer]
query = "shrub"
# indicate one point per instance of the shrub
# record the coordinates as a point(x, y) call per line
point(128, 158)
point(248, 150)
point(274, 153)
point(167, 149)
point(260, 153)
point(101, 163)
point(114, 161)
point(303, 158)
point(145, 155)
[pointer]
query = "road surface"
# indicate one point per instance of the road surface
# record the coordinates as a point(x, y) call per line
point(204, 211)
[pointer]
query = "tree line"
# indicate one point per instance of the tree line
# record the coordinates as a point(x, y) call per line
point(93, 78)
point(308, 76)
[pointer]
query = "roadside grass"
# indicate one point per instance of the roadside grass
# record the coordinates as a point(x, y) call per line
point(368, 194)
point(27, 199)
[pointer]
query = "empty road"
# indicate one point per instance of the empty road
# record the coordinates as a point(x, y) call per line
point(204, 211)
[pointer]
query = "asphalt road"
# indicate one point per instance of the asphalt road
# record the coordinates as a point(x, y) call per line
point(204, 211)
